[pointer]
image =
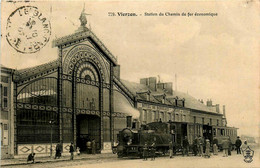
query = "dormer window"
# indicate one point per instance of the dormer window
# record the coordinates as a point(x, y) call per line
point(148, 95)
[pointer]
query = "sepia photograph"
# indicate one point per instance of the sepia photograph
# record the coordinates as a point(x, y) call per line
point(143, 84)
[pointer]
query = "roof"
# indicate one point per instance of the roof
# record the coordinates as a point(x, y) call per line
point(31, 71)
point(190, 102)
point(71, 39)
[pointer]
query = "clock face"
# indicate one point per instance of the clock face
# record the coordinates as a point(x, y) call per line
point(27, 29)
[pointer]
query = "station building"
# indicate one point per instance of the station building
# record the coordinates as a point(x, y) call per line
point(80, 96)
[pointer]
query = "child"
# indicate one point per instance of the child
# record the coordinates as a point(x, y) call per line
point(78, 151)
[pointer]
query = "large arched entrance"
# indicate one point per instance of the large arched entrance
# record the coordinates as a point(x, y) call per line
point(87, 85)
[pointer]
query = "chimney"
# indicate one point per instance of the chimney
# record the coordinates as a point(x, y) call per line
point(150, 82)
point(217, 108)
point(209, 102)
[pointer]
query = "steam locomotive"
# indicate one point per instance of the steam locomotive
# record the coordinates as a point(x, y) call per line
point(132, 141)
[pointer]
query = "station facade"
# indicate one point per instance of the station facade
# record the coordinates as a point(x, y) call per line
point(80, 97)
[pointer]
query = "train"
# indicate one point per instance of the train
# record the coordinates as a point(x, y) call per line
point(131, 141)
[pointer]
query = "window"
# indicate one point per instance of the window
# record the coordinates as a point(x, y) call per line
point(5, 127)
point(210, 121)
point(4, 79)
point(5, 102)
point(217, 122)
point(153, 116)
point(169, 116)
point(5, 91)
point(162, 116)
point(222, 132)
point(194, 119)
point(214, 131)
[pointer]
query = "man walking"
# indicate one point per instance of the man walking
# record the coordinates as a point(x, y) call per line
point(238, 145)
point(71, 151)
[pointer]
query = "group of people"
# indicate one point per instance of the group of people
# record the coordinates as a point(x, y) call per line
point(91, 148)
point(201, 146)
point(149, 151)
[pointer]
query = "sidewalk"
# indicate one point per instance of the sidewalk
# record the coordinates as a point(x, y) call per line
point(12, 162)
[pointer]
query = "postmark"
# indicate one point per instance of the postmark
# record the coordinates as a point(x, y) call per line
point(28, 30)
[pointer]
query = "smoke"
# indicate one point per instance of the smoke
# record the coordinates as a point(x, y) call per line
point(129, 110)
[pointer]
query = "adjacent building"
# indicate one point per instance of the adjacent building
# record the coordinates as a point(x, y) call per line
point(7, 113)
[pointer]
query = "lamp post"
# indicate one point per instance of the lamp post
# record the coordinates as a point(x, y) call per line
point(51, 122)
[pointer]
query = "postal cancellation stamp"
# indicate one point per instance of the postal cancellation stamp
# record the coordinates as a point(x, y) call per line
point(28, 30)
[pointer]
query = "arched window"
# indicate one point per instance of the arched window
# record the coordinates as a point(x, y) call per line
point(88, 72)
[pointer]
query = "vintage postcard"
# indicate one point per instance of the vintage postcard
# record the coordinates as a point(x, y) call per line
point(130, 83)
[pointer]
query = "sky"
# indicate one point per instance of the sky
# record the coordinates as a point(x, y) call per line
point(213, 57)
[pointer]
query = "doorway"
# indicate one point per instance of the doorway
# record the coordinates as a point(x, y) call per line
point(88, 128)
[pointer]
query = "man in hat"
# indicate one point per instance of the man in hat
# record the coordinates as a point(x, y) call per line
point(71, 151)
point(238, 145)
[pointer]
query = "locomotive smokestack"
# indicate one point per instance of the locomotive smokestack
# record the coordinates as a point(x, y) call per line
point(129, 121)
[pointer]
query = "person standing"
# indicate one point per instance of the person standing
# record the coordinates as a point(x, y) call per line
point(93, 145)
point(207, 152)
point(238, 145)
point(89, 150)
point(145, 151)
point(71, 151)
point(229, 146)
point(215, 146)
point(201, 142)
point(58, 151)
point(78, 150)
point(244, 146)
point(153, 148)
point(195, 146)
point(171, 149)
point(225, 146)
point(185, 143)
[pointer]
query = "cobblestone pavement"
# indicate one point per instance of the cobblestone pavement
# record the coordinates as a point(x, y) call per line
point(110, 160)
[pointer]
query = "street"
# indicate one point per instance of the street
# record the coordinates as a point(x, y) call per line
point(234, 161)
